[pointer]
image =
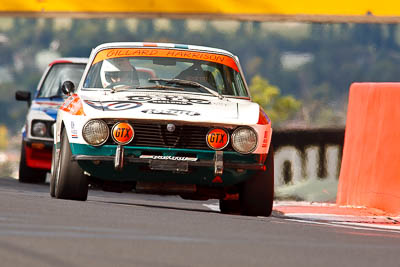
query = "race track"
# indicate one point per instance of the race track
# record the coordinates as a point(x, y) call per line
point(128, 229)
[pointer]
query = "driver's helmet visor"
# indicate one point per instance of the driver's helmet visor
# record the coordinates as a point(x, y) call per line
point(116, 76)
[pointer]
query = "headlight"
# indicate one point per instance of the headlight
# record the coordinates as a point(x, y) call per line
point(244, 140)
point(39, 129)
point(95, 132)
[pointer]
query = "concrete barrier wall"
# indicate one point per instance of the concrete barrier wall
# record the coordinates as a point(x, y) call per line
point(370, 171)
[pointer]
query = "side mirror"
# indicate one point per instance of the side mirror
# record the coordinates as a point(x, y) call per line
point(68, 87)
point(23, 96)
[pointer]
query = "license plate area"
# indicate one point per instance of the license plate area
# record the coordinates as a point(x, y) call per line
point(169, 165)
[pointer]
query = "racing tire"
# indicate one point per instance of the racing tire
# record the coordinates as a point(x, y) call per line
point(229, 206)
point(70, 181)
point(28, 174)
point(52, 172)
point(257, 194)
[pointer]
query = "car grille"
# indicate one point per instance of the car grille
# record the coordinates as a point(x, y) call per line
point(157, 135)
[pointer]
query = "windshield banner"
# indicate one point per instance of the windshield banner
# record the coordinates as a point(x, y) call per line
point(169, 53)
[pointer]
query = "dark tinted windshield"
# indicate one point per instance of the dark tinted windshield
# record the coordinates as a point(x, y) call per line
point(57, 75)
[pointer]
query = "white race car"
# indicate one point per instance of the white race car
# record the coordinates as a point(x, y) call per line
point(37, 134)
point(166, 119)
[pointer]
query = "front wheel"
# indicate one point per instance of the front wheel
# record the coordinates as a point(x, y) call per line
point(70, 181)
point(53, 173)
point(257, 193)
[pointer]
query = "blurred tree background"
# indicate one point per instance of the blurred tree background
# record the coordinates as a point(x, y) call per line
point(300, 73)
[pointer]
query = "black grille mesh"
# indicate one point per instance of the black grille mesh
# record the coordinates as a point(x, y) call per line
point(157, 135)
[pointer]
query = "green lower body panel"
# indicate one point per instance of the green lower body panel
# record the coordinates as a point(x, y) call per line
point(199, 175)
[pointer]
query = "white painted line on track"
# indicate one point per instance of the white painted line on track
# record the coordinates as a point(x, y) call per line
point(302, 203)
point(213, 207)
point(343, 217)
point(367, 226)
point(380, 226)
point(336, 220)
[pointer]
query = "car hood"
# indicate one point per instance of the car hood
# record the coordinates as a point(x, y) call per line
point(170, 106)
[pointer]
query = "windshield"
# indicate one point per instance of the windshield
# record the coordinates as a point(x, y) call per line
point(164, 69)
point(57, 75)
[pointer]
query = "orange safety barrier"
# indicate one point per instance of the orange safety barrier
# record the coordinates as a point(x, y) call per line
point(370, 172)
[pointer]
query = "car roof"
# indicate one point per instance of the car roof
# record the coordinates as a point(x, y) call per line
point(73, 60)
point(164, 45)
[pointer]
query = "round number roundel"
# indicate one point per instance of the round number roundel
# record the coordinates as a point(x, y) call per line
point(217, 138)
point(122, 133)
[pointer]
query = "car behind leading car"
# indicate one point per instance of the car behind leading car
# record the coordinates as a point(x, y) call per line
point(37, 134)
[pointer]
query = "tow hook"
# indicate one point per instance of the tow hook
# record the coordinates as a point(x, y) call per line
point(119, 158)
point(218, 162)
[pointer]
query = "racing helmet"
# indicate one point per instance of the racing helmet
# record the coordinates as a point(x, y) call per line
point(118, 71)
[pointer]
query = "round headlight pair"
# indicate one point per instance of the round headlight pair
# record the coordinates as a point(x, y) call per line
point(96, 132)
point(39, 129)
point(244, 140)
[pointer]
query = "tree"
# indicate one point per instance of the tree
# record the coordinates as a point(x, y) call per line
point(279, 108)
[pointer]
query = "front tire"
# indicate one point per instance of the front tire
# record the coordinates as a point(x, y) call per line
point(70, 181)
point(257, 195)
point(53, 175)
point(28, 174)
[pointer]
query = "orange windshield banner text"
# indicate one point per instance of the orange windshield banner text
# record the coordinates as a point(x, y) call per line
point(169, 53)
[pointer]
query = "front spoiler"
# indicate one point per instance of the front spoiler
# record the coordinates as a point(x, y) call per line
point(174, 165)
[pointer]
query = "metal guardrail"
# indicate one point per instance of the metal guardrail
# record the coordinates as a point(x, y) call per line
point(301, 140)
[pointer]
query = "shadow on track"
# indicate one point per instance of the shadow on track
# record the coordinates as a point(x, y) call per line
point(159, 206)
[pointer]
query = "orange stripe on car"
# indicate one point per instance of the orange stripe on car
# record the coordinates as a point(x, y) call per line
point(169, 53)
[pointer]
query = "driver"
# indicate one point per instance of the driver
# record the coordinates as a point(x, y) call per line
point(193, 73)
point(118, 72)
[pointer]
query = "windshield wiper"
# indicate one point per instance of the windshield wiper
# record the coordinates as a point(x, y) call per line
point(121, 87)
point(186, 82)
point(114, 90)
point(159, 86)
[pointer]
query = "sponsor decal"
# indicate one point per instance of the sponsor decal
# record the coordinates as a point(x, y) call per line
point(73, 105)
point(173, 112)
point(122, 133)
point(113, 105)
point(173, 100)
point(74, 132)
point(217, 138)
point(48, 104)
point(170, 53)
point(265, 140)
point(168, 158)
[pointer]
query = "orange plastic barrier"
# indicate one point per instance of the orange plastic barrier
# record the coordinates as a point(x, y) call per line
point(370, 172)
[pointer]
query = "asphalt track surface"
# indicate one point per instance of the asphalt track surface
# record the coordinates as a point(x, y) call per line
point(129, 229)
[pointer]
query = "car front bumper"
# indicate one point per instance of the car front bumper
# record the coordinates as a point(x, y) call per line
point(38, 154)
point(111, 162)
